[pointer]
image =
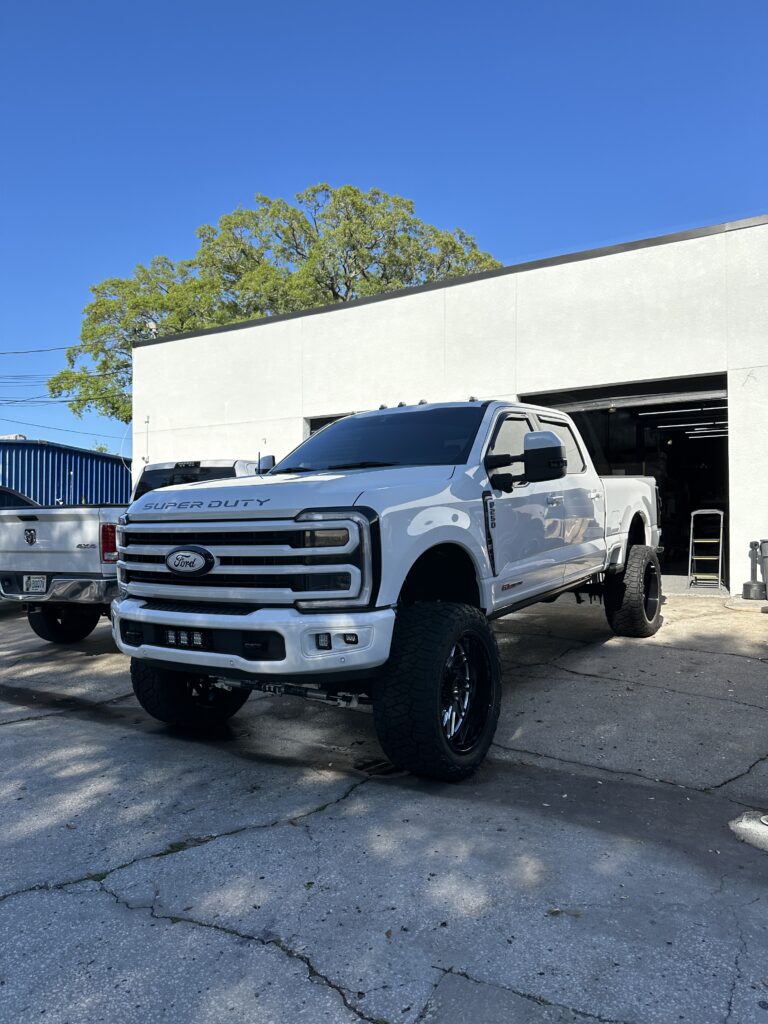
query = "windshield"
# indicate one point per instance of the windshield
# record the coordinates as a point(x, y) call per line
point(424, 437)
point(151, 479)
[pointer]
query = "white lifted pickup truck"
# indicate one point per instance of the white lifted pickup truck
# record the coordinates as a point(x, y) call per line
point(364, 568)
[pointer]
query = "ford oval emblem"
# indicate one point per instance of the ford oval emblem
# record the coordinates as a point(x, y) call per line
point(190, 561)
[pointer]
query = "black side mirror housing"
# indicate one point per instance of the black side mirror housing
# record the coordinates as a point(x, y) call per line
point(503, 481)
point(543, 457)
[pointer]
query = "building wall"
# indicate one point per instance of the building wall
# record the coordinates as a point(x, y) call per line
point(51, 473)
point(682, 308)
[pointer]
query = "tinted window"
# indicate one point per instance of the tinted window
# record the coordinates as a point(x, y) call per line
point(509, 439)
point(422, 437)
point(154, 478)
point(12, 499)
point(573, 454)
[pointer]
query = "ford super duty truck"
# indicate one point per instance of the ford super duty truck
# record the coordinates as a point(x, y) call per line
point(60, 562)
point(365, 567)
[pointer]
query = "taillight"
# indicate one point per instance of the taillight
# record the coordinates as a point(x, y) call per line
point(108, 542)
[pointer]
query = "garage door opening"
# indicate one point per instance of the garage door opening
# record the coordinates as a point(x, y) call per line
point(674, 430)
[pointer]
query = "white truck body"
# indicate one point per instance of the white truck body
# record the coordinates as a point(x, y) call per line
point(56, 554)
point(258, 594)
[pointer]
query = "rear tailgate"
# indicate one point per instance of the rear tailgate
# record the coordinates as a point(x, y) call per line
point(54, 541)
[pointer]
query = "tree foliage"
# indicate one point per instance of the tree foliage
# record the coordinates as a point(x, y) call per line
point(332, 245)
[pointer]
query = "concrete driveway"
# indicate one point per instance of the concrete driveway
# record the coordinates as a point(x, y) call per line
point(606, 864)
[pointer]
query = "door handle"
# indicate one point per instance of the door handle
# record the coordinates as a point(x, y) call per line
point(592, 495)
point(555, 499)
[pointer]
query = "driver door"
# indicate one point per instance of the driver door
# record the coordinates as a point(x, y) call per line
point(528, 543)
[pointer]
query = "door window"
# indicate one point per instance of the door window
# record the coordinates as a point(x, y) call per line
point(510, 436)
point(573, 454)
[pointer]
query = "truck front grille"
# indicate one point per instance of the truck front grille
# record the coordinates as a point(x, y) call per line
point(266, 562)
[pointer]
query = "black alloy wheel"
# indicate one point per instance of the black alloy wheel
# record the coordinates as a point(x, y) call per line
point(466, 694)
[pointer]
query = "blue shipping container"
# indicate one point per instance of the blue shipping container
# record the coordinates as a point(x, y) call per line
point(56, 474)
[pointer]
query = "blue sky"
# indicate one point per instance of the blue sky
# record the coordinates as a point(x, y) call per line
point(540, 127)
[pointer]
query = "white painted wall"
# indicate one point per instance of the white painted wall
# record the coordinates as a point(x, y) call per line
point(679, 309)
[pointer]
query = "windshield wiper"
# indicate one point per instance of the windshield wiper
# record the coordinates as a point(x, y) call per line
point(368, 464)
point(292, 469)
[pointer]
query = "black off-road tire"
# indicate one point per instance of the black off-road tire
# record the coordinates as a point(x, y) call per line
point(184, 700)
point(633, 597)
point(408, 703)
point(64, 623)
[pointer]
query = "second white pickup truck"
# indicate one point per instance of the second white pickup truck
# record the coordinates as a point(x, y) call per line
point(60, 561)
point(364, 568)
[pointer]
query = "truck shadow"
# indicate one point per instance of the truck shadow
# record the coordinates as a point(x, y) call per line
point(590, 725)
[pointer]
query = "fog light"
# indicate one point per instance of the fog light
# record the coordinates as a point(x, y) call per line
point(184, 637)
point(197, 639)
point(170, 636)
point(350, 638)
point(323, 641)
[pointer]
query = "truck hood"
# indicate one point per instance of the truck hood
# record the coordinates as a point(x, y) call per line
point(285, 495)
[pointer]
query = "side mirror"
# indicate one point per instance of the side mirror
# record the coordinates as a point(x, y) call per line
point(266, 462)
point(543, 457)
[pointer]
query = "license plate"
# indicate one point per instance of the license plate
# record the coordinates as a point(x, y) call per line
point(34, 584)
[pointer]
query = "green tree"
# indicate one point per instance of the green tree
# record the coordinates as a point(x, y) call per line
point(332, 245)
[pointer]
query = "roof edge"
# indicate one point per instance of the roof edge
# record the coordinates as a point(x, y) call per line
point(484, 275)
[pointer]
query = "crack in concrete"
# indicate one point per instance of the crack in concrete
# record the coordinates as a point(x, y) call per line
point(538, 1000)
point(32, 718)
point(621, 771)
point(69, 704)
point(179, 846)
point(741, 775)
point(703, 650)
point(654, 686)
point(736, 969)
point(313, 974)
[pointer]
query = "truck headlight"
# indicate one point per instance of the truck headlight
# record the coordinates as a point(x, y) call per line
point(350, 530)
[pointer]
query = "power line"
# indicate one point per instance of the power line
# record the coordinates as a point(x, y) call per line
point(66, 430)
point(30, 351)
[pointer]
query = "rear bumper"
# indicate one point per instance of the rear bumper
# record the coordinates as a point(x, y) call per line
point(300, 658)
point(60, 590)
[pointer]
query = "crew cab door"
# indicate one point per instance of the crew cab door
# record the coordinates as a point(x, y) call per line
point(582, 504)
point(525, 526)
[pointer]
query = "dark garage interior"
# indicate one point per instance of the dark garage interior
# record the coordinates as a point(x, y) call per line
point(676, 431)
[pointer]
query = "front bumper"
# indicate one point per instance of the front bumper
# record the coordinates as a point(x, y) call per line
point(61, 590)
point(301, 656)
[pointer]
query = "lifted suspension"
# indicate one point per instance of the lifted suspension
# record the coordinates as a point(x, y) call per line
point(308, 692)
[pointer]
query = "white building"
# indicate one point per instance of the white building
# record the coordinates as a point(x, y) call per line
point(658, 347)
